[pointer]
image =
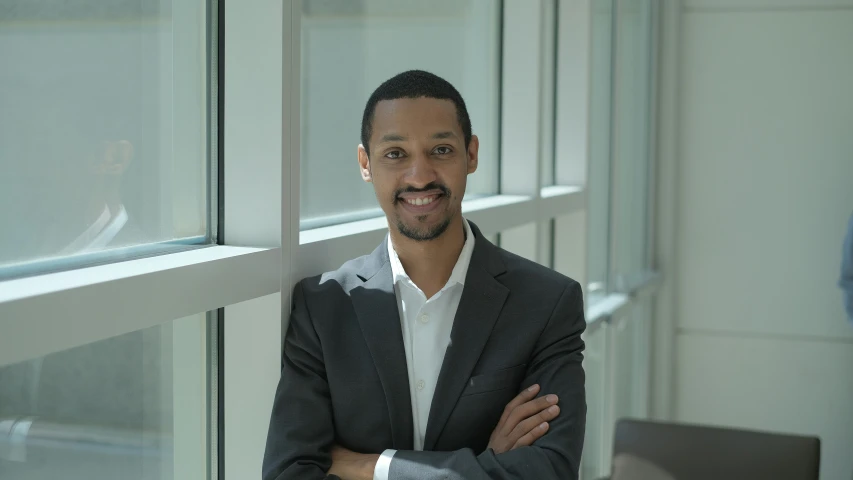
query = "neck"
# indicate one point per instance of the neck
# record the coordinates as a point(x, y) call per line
point(430, 263)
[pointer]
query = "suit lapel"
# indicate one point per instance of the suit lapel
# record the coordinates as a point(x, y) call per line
point(376, 306)
point(482, 299)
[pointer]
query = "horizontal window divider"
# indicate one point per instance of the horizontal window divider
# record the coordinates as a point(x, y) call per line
point(48, 313)
point(609, 308)
point(606, 308)
point(647, 285)
point(592, 325)
point(501, 212)
point(326, 255)
point(558, 200)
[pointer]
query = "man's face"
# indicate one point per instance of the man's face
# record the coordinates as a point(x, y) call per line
point(418, 164)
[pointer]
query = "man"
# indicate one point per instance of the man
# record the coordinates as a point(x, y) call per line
point(439, 355)
point(846, 281)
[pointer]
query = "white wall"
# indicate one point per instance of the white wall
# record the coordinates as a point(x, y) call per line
point(764, 187)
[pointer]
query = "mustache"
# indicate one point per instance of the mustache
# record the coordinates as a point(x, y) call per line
point(430, 186)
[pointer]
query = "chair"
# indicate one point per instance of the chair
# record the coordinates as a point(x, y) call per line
point(645, 450)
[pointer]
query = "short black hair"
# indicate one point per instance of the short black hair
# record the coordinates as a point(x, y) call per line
point(414, 84)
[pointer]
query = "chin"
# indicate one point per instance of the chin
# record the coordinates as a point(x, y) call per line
point(424, 233)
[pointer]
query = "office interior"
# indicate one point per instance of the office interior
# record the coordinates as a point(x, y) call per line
point(170, 168)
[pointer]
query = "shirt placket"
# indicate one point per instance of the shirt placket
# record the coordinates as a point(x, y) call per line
point(418, 383)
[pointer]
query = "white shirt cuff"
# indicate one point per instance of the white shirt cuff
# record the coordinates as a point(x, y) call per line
point(383, 465)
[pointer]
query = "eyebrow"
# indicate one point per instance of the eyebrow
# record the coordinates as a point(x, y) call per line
point(442, 135)
point(396, 137)
point(392, 137)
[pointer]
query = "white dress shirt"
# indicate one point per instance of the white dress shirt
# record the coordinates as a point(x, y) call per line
point(426, 333)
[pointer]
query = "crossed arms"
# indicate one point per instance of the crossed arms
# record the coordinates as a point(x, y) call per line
point(301, 444)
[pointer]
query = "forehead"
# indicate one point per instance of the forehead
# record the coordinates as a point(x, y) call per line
point(413, 116)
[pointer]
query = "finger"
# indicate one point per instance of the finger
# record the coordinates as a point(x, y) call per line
point(523, 397)
point(529, 424)
point(529, 409)
point(531, 436)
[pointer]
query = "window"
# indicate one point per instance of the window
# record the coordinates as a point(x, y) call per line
point(348, 49)
point(600, 148)
point(632, 141)
point(620, 283)
point(106, 133)
point(139, 90)
point(598, 391)
point(103, 126)
point(135, 406)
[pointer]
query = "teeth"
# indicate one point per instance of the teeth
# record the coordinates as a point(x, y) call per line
point(420, 201)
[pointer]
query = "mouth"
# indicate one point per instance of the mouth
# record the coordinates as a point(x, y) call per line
point(421, 203)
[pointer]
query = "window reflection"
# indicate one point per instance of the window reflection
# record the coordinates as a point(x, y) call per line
point(100, 411)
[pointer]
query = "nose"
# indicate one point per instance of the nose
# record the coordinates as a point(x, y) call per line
point(421, 172)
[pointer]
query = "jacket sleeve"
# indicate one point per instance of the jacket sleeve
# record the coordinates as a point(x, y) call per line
point(301, 432)
point(556, 366)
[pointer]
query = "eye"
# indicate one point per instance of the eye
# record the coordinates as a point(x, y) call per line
point(394, 154)
point(443, 150)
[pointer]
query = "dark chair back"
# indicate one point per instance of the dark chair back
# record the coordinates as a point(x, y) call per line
point(689, 452)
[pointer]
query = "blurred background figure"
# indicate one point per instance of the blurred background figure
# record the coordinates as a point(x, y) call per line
point(107, 222)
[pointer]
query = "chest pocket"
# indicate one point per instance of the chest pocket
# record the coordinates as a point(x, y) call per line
point(498, 380)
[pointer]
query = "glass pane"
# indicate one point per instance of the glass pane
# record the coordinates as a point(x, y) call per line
point(599, 167)
point(631, 361)
point(642, 318)
point(348, 49)
point(625, 353)
point(133, 407)
point(632, 140)
point(570, 246)
point(520, 240)
point(103, 126)
point(547, 174)
point(597, 395)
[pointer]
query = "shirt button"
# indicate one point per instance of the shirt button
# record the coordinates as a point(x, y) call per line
point(423, 318)
point(421, 384)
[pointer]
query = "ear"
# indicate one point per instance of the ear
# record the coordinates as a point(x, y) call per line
point(473, 149)
point(364, 164)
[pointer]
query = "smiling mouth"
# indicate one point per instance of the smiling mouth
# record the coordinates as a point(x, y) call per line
point(421, 201)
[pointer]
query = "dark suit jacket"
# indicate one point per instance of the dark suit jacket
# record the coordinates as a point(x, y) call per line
point(344, 377)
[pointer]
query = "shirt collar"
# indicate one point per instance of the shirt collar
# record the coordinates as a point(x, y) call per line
point(460, 270)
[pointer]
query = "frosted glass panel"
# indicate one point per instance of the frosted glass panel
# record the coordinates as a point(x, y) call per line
point(599, 150)
point(597, 395)
point(348, 49)
point(103, 125)
point(132, 407)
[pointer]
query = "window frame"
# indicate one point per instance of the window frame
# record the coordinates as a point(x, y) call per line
point(248, 277)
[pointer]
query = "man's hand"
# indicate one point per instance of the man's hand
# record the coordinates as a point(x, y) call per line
point(524, 420)
point(352, 466)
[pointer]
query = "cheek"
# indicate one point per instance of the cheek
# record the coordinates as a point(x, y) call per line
point(384, 189)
